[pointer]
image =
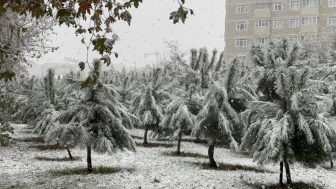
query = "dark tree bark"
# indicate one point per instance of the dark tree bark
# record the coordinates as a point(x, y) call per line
point(281, 173)
point(211, 154)
point(89, 161)
point(68, 150)
point(288, 174)
point(331, 161)
point(145, 135)
point(179, 143)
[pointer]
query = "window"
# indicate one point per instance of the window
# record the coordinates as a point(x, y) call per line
point(277, 24)
point(242, 25)
point(294, 22)
point(242, 9)
point(295, 5)
point(278, 6)
point(310, 2)
point(332, 3)
point(309, 20)
point(332, 21)
point(262, 40)
point(263, 5)
point(241, 42)
point(262, 23)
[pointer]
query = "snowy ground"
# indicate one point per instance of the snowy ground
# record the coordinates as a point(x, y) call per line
point(20, 169)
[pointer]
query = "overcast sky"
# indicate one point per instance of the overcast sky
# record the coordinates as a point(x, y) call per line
point(149, 26)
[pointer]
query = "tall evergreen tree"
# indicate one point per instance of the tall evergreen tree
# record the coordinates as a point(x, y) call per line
point(148, 106)
point(215, 121)
point(178, 120)
point(96, 122)
point(291, 123)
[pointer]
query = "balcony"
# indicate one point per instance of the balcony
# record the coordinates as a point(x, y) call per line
point(309, 29)
point(262, 13)
point(310, 10)
point(261, 31)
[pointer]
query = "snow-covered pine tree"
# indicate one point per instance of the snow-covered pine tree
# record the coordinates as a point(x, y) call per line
point(70, 92)
point(96, 122)
point(177, 120)
point(204, 65)
point(215, 121)
point(290, 126)
point(29, 91)
point(8, 105)
point(44, 121)
point(148, 106)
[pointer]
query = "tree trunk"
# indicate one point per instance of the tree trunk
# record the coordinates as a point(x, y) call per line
point(145, 135)
point(89, 161)
point(179, 143)
point(288, 174)
point(331, 161)
point(67, 148)
point(211, 154)
point(281, 173)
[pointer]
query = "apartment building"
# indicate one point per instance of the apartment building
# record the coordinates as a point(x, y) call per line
point(251, 22)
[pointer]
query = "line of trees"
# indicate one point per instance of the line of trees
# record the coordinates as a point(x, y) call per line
point(276, 108)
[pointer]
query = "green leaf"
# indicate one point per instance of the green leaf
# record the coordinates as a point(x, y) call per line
point(182, 13)
point(99, 45)
point(80, 31)
point(7, 76)
point(106, 58)
point(103, 45)
point(81, 66)
point(136, 3)
point(87, 83)
point(63, 13)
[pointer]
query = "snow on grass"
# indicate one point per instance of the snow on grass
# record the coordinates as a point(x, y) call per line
point(151, 168)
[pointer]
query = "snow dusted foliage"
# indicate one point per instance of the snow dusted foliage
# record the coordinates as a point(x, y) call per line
point(240, 84)
point(125, 92)
point(215, 122)
point(293, 126)
point(22, 38)
point(149, 105)
point(217, 118)
point(99, 120)
point(40, 96)
point(205, 66)
point(177, 120)
point(278, 55)
point(70, 92)
point(45, 121)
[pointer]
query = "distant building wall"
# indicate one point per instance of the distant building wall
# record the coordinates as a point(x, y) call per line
point(60, 68)
point(251, 22)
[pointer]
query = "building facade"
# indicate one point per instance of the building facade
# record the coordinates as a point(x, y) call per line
point(251, 22)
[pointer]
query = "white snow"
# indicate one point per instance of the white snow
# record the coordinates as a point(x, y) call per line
point(19, 168)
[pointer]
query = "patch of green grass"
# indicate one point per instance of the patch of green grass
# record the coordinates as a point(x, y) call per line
point(40, 158)
point(295, 185)
point(83, 171)
point(232, 167)
point(49, 147)
point(31, 139)
point(155, 145)
point(185, 154)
